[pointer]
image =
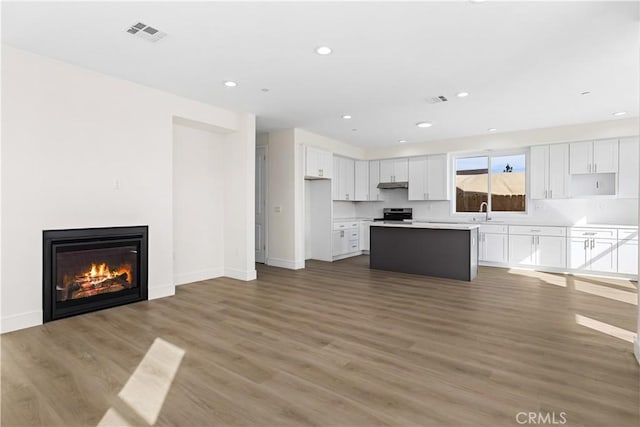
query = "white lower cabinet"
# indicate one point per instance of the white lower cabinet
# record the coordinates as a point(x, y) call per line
point(594, 250)
point(538, 246)
point(628, 257)
point(345, 238)
point(493, 244)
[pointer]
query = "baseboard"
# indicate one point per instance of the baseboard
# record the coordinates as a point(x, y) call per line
point(196, 276)
point(245, 275)
point(636, 349)
point(285, 263)
point(156, 292)
point(21, 321)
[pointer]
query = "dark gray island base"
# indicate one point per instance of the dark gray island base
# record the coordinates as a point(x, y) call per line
point(436, 250)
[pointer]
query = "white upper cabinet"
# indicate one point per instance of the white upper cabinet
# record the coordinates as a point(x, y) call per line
point(394, 170)
point(417, 178)
point(549, 172)
point(558, 171)
point(429, 178)
point(594, 157)
point(628, 168)
point(605, 156)
point(438, 177)
point(318, 164)
point(374, 180)
point(539, 171)
point(361, 192)
point(343, 182)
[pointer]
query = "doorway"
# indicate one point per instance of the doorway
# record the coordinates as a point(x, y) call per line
point(261, 203)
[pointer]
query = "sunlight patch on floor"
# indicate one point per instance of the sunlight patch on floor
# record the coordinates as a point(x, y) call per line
point(607, 292)
point(147, 387)
point(605, 328)
point(551, 279)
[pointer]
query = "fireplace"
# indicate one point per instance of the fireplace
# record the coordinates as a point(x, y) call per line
point(93, 268)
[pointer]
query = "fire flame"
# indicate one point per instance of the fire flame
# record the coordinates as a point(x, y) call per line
point(102, 272)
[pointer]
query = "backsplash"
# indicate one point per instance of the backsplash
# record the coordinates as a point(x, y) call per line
point(564, 211)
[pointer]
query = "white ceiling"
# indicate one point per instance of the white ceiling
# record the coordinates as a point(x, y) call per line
point(523, 63)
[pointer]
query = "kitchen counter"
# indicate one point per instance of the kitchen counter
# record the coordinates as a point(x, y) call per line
point(433, 225)
point(525, 222)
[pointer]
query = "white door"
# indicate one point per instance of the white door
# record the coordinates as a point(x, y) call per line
point(437, 177)
point(386, 170)
point(347, 178)
point(261, 204)
point(604, 255)
point(521, 250)
point(628, 257)
point(335, 179)
point(361, 180)
point(551, 251)
point(417, 178)
point(539, 171)
point(605, 156)
point(401, 170)
point(495, 247)
point(374, 180)
point(558, 184)
point(578, 250)
point(580, 157)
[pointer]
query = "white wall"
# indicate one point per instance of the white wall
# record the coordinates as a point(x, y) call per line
point(67, 135)
point(198, 194)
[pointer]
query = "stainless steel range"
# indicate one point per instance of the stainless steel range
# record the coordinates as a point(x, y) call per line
point(396, 215)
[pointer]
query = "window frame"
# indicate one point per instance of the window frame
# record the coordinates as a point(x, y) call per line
point(490, 154)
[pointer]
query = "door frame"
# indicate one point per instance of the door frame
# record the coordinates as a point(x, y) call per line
point(266, 199)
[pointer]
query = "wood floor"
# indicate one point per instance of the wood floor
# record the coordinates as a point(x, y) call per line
point(337, 344)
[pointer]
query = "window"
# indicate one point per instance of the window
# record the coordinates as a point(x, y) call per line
point(497, 180)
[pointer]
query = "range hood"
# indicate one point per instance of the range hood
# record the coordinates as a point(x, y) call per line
point(390, 185)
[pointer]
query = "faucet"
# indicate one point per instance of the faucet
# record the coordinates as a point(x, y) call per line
point(486, 205)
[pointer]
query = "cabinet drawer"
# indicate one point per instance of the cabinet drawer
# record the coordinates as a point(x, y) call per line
point(340, 225)
point(353, 233)
point(354, 245)
point(602, 233)
point(495, 229)
point(538, 231)
point(628, 234)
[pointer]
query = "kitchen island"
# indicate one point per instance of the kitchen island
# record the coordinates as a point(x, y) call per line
point(430, 249)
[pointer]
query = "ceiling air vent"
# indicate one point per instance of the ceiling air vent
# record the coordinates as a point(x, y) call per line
point(145, 32)
point(436, 99)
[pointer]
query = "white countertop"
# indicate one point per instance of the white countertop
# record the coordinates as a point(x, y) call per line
point(433, 225)
point(448, 223)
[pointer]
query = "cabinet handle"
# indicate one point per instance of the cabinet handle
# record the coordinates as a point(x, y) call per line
point(535, 230)
point(346, 196)
point(595, 167)
point(319, 172)
point(341, 233)
point(551, 194)
point(585, 244)
point(537, 240)
point(593, 243)
point(545, 194)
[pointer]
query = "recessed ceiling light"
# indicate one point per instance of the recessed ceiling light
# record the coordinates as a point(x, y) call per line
point(323, 50)
point(492, 129)
point(586, 92)
point(462, 94)
point(424, 124)
point(619, 113)
point(477, 1)
point(402, 141)
point(230, 83)
point(346, 117)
